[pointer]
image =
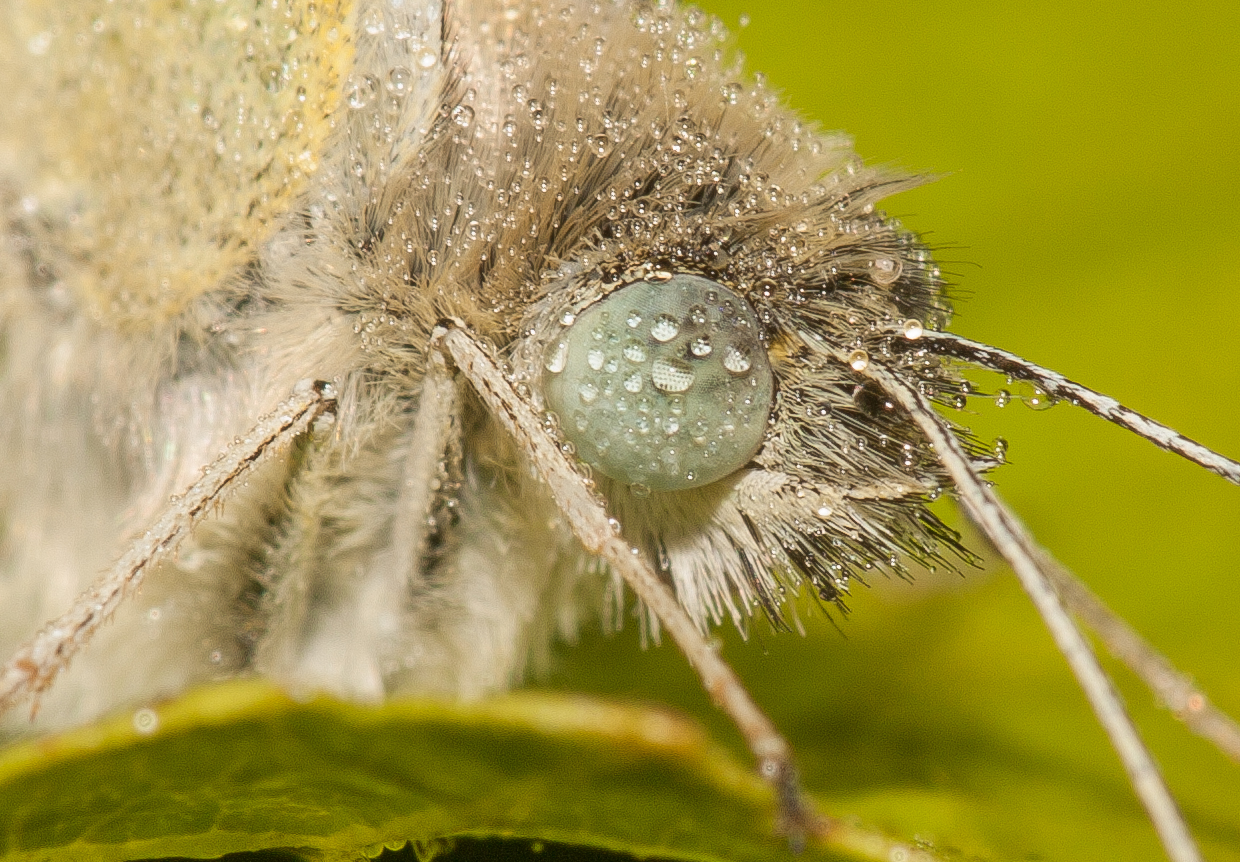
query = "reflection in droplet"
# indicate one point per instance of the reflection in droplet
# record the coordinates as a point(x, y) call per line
point(887, 270)
point(665, 328)
point(635, 351)
point(557, 357)
point(736, 358)
point(671, 375)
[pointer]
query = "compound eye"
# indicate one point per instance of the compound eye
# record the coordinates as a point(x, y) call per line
point(665, 385)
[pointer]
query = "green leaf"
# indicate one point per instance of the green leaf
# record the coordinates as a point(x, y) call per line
point(243, 767)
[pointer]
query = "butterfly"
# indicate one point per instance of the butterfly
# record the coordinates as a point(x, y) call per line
point(359, 223)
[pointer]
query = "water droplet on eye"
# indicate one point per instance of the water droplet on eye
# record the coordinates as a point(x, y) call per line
point(671, 375)
point(557, 357)
point(595, 359)
point(859, 360)
point(588, 393)
point(635, 351)
point(700, 346)
point(463, 115)
point(665, 328)
point(634, 319)
point(912, 329)
point(887, 270)
point(697, 315)
point(633, 383)
point(737, 359)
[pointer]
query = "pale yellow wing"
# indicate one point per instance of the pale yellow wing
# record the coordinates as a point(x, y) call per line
point(156, 142)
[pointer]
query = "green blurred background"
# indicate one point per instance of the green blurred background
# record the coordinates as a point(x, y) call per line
point(1087, 214)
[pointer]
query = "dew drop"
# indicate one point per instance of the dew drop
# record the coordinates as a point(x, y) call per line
point(426, 59)
point(824, 512)
point(588, 393)
point(568, 319)
point(859, 360)
point(595, 358)
point(634, 319)
point(599, 145)
point(145, 721)
point(671, 375)
point(557, 357)
point(463, 115)
point(372, 22)
point(887, 269)
point(665, 328)
point(737, 359)
point(635, 351)
point(912, 329)
point(633, 383)
point(700, 346)
point(399, 80)
point(360, 91)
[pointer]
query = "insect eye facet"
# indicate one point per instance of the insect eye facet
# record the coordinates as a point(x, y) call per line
point(662, 384)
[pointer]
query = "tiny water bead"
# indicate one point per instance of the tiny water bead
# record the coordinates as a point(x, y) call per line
point(667, 382)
